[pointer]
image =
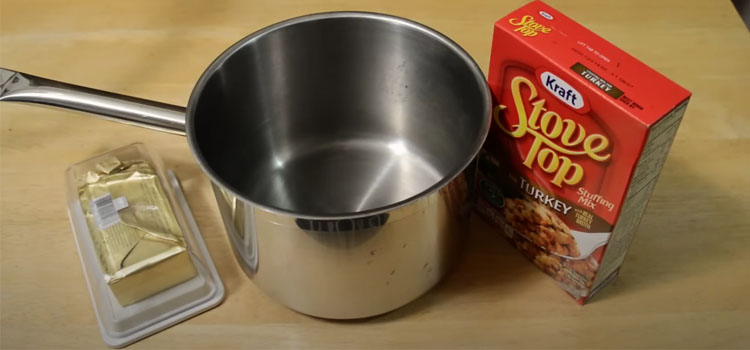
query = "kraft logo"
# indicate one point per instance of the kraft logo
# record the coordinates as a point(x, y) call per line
point(562, 90)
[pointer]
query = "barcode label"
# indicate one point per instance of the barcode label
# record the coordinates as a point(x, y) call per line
point(105, 212)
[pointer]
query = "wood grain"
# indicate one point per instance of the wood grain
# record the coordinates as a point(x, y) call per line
point(684, 284)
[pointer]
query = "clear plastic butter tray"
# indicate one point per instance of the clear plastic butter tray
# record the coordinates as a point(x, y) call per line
point(145, 262)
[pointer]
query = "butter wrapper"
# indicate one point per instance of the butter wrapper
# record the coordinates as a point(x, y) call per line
point(140, 246)
point(145, 262)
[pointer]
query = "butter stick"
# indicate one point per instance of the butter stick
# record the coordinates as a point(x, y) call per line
point(138, 241)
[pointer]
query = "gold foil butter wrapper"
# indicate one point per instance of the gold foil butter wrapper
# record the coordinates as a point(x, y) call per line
point(137, 239)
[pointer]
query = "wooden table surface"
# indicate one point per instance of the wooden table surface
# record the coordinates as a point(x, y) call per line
point(685, 282)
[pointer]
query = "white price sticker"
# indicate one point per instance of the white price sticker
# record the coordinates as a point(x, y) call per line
point(105, 210)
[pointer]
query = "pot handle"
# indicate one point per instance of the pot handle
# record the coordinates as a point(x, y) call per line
point(22, 87)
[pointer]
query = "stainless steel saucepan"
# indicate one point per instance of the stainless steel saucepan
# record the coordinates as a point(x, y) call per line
point(340, 147)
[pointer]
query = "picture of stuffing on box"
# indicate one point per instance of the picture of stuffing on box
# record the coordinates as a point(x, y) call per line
point(536, 222)
point(535, 229)
point(538, 234)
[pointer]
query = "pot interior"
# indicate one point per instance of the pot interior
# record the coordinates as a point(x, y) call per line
point(338, 115)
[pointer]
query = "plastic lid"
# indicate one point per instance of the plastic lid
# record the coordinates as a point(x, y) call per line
point(124, 325)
